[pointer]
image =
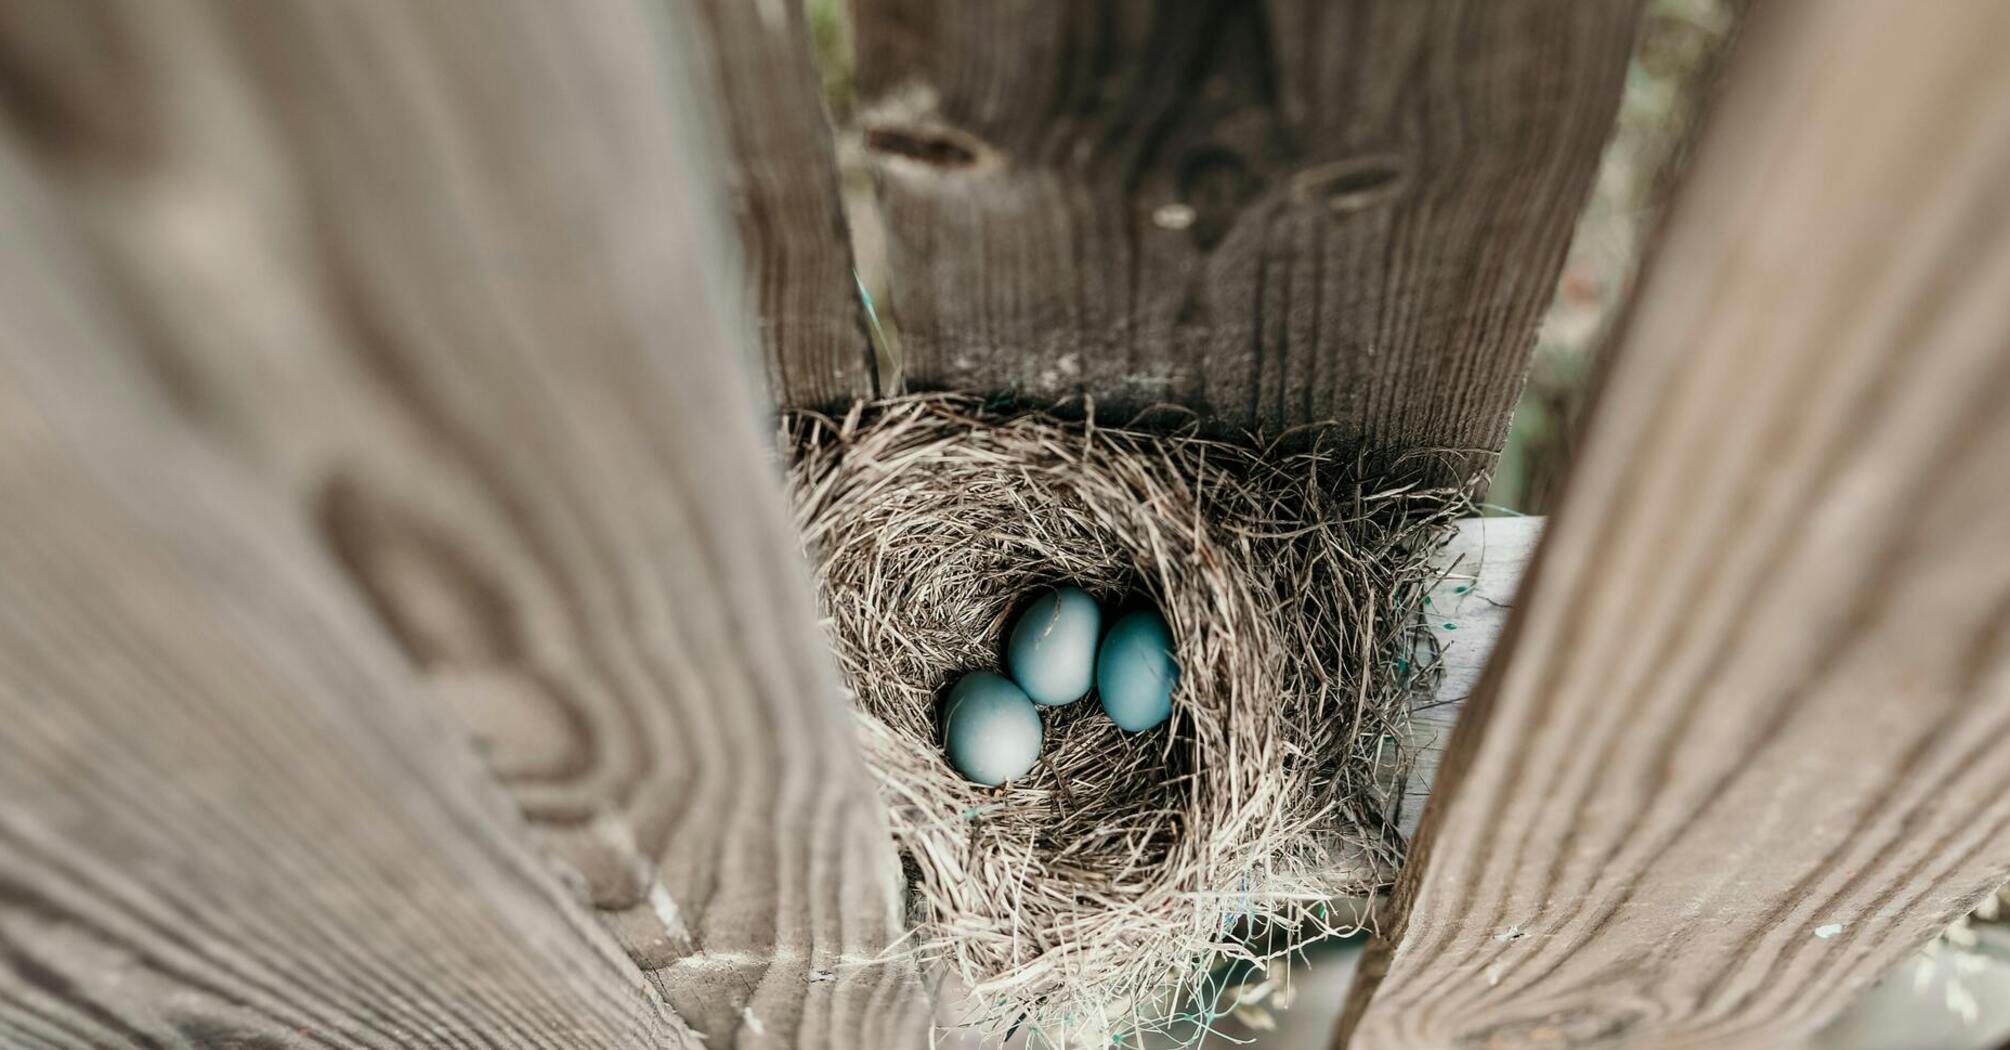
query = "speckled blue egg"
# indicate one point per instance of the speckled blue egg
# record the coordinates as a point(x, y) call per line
point(990, 729)
point(1052, 652)
point(1136, 671)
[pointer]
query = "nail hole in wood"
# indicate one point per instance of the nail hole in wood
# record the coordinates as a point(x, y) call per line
point(1352, 184)
point(936, 147)
point(1214, 184)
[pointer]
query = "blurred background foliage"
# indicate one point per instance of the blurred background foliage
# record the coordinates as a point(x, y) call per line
point(1666, 86)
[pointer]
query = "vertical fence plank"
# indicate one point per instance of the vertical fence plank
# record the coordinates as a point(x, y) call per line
point(783, 172)
point(228, 816)
point(459, 278)
point(1747, 739)
point(1275, 213)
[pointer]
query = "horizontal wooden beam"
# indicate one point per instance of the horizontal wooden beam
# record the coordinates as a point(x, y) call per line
point(1273, 213)
point(1746, 741)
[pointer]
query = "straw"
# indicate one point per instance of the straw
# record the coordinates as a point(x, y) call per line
point(1111, 877)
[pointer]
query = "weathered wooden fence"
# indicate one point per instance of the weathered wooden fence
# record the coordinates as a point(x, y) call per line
point(1274, 213)
point(380, 378)
point(441, 298)
point(1748, 740)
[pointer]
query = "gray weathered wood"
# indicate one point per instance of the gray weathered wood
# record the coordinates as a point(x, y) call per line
point(458, 278)
point(785, 187)
point(1746, 742)
point(1480, 570)
point(229, 817)
point(1275, 213)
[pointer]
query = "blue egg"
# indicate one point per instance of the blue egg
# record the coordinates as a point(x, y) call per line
point(991, 731)
point(1052, 654)
point(1136, 672)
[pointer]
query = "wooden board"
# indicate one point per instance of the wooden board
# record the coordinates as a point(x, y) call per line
point(783, 173)
point(1274, 213)
point(1480, 571)
point(229, 817)
point(458, 279)
point(1747, 741)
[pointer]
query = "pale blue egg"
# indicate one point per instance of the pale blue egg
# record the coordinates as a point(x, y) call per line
point(990, 729)
point(1052, 654)
point(1136, 671)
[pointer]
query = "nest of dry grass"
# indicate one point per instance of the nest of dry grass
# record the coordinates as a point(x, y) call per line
point(1112, 875)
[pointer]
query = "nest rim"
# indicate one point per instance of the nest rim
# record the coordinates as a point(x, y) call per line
point(932, 519)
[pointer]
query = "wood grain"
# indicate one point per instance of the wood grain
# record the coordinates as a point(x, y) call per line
point(1274, 213)
point(1747, 742)
point(783, 172)
point(1480, 570)
point(459, 279)
point(228, 815)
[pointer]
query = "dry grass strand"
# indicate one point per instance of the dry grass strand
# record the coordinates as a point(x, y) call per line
point(1123, 864)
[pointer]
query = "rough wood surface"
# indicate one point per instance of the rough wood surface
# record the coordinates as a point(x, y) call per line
point(228, 815)
point(1747, 742)
point(785, 190)
point(458, 279)
point(1273, 212)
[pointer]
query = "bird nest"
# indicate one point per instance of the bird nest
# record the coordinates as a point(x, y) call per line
point(1094, 892)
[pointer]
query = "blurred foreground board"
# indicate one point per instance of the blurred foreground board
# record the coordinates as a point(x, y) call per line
point(1746, 741)
point(229, 816)
point(455, 286)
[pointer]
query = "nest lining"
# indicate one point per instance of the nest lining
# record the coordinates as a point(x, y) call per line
point(1108, 878)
